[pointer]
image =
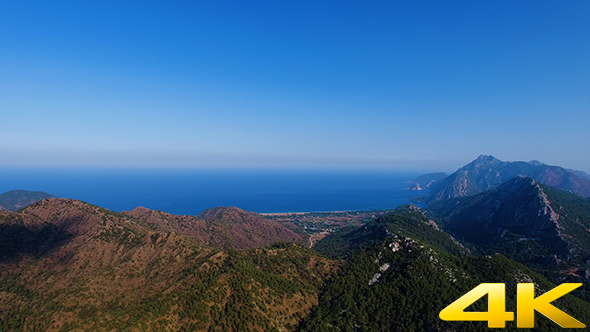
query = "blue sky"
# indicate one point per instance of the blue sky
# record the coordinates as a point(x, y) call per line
point(424, 85)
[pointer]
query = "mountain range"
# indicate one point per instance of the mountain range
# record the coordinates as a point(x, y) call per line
point(486, 173)
point(66, 265)
point(538, 217)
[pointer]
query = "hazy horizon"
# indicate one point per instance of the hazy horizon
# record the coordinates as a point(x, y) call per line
point(404, 167)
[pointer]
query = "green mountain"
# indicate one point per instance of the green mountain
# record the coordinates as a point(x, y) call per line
point(545, 228)
point(486, 173)
point(524, 213)
point(401, 271)
point(407, 221)
point(18, 199)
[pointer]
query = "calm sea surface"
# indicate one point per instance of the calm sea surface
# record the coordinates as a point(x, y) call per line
point(190, 192)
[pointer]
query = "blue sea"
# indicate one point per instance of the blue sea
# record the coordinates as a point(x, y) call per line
point(192, 191)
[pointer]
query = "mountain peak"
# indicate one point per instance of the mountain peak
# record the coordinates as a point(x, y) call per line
point(223, 213)
point(483, 157)
point(485, 160)
point(139, 211)
point(247, 229)
point(521, 181)
point(487, 173)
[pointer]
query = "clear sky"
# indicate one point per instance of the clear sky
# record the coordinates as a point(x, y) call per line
point(398, 85)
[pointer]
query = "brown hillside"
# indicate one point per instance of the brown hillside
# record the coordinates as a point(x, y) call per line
point(68, 265)
point(220, 227)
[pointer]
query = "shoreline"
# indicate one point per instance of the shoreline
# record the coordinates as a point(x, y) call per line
point(308, 212)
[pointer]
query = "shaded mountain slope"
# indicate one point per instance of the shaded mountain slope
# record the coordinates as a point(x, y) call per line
point(546, 228)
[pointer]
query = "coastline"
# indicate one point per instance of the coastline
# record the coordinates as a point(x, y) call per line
point(326, 212)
